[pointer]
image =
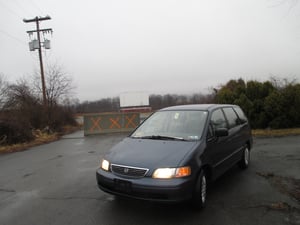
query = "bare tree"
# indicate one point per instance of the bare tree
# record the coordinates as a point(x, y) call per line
point(281, 83)
point(18, 94)
point(291, 4)
point(3, 91)
point(59, 85)
point(20, 113)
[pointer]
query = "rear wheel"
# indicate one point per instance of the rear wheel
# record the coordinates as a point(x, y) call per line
point(244, 162)
point(200, 192)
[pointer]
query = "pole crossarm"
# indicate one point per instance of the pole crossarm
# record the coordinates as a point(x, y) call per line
point(37, 19)
point(42, 30)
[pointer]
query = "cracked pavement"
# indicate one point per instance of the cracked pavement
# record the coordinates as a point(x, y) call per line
point(55, 184)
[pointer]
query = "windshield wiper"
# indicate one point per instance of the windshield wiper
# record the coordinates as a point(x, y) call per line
point(161, 137)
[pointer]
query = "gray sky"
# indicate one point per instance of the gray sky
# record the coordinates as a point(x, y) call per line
point(158, 46)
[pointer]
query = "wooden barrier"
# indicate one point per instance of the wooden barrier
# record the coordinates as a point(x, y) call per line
point(110, 123)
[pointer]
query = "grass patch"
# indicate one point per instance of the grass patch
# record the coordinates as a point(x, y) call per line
point(39, 139)
point(276, 133)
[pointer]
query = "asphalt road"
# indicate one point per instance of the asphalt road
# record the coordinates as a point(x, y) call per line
point(55, 184)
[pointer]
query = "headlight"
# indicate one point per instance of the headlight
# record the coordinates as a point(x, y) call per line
point(105, 165)
point(166, 173)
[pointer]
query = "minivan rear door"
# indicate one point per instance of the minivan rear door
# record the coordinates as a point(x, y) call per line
point(218, 148)
point(235, 135)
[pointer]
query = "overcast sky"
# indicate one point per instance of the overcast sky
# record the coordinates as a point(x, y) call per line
point(156, 46)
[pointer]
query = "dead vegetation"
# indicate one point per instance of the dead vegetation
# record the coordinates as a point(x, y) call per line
point(40, 137)
point(275, 132)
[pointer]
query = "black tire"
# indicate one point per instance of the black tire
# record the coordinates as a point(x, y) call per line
point(244, 163)
point(200, 191)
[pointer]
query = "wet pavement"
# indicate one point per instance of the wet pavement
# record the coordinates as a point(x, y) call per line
point(55, 184)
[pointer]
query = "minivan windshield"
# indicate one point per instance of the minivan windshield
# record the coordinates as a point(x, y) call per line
point(173, 125)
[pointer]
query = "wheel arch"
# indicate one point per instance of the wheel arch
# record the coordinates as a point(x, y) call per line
point(249, 145)
point(208, 171)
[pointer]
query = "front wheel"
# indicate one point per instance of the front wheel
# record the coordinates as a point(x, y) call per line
point(200, 192)
point(244, 162)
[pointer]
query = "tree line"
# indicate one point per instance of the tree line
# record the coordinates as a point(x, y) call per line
point(155, 101)
point(270, 104)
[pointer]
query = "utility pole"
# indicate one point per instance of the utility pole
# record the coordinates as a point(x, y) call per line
point(38, 45)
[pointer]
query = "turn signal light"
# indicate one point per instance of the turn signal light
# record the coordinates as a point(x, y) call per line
point(183, 171)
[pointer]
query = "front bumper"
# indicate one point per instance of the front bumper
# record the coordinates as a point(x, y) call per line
point(146, 188)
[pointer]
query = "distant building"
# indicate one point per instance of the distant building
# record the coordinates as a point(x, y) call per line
point(134, 102)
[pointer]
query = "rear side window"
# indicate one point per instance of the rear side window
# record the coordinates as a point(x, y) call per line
point(231, 116)
point(241, 114)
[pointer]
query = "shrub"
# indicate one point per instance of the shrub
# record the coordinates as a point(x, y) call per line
point(13, 132)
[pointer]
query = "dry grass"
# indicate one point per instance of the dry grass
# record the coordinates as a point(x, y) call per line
point(40, 138)
point(276, 133)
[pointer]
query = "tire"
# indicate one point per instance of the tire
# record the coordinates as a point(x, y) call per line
point(244, 163)
point(200, 191)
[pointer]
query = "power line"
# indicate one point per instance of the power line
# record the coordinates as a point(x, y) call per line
point(13, 37)
point(36, 6)
point(20, 6)
point(10, 10)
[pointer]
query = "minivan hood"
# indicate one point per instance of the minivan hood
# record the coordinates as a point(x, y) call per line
point(151, 154)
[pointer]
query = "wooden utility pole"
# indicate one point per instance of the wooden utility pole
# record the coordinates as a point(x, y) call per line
point(38, 30)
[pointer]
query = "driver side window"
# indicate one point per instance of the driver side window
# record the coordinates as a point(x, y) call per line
point(218, 120)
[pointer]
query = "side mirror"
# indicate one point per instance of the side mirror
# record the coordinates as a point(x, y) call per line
point(221, 132)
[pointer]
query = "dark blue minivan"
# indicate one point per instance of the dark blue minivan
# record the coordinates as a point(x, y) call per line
point(173, 154)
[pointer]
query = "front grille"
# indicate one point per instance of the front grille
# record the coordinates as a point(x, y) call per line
point(128, 171)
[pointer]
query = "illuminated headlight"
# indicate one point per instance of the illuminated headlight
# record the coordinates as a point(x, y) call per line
point(167, 173)
point(105, 165)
